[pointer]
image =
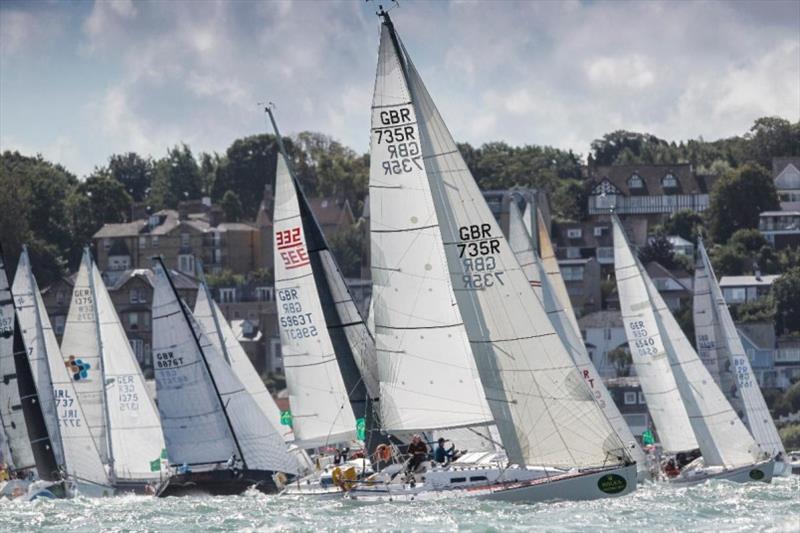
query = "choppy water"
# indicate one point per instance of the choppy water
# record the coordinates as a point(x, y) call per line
point(714, 506)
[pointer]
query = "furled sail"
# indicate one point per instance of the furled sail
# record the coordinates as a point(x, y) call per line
point(206, 413)
point(17, 450)
point(544, 411)
point(321, 408)
point(428, 376)
point(646, 342)
point(519, 239)
point(219, 332)
point(721, 349)
point(76, 450)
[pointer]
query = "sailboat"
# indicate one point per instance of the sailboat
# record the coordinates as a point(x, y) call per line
point(721, 350)
point(563, 320)
point(461, 338)
point(218, 440)
point(108, 381)
point(688, 408)
point(27, 451)
point(75, 450)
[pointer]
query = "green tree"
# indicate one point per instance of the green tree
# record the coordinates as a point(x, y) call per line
point(738, 198)
point(790, 435)
point(684, 223)
point(750, 240)
point(571, 200)
point(176, 177)
point(232, 206)
point(97, 201)
point(621, 358)
point(773, 137)
point(786, 291)
point(133, 172)
point(346, 246)
point(658, 249)
point(729, 261)
point(249, 164)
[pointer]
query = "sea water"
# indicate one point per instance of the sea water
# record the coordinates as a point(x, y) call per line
point(712, 506)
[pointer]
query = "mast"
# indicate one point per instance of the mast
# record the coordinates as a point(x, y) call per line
point(87, 260)
point(203, 356)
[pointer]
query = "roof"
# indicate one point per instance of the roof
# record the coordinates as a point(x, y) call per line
point(677, 240)
point(179, 279)
point(657, 271)
point(169, 220)
point(330, 211)
point(688, 182)
point(760, 334)
point(126, 229)
point(779, 164)
point(570, 262)
point(601, 319)
point(748, 281)
point(780, 214)
point(238, 330)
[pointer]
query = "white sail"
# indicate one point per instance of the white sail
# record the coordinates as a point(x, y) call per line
point(206, 413)
point(134, 427)
point(522, 245)
point(647, 351)
point(428, 377)
point(544, 411)
point(75, 448)
point(17, 451)
point(321, 411)
point(225, 342)
point(81, 348)
point(570, 337)
point(717, 337)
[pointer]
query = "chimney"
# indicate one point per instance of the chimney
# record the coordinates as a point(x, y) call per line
point(215, 216)
point(183, 210)
point(756, 271)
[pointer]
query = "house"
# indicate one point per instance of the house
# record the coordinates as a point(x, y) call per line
point(249, 336)
point(581, 277)
point(780, 228)
point(57, 297)
point(741, 289)
point(786, 174)
point(333, 216)
point(675, 287)
point(628, 395)
point(499, 200)
point(651, 191)
point(576, 240)
point(602, 332)
point(681, 246)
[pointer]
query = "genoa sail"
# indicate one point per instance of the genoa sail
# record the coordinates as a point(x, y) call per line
point(649, 355)
point(721, 350)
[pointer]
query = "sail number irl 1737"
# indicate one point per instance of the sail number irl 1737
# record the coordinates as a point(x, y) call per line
point(398, 134)
point(476, 250)
point(291, 247)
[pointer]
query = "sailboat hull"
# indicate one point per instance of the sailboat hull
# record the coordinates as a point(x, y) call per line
point(218, 483)
point(762, 472)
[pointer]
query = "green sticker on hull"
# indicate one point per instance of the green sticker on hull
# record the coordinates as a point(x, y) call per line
point(756, 475)
point(612, 484)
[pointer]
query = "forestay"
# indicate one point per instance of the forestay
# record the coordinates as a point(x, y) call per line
point(519, 239)
point(646, 344)
point(321, 411)
point(14, 433)
point(206, 413)
point(66, 422)
point(135, 436)
point(544, 411)
point(428, 377)
point(717, 337)
point(722, 437)
point(219, 332)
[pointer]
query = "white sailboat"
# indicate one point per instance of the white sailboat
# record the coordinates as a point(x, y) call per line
point(75, 450)
point(543, 283)
point(217, 437)
point(698, 411)
point(721, 350)
point(438, 255)
point(110, 385)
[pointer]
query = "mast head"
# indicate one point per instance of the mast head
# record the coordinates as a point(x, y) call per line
point(384, 14)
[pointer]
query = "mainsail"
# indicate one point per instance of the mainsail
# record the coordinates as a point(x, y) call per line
point(519, 239)
point(74, 447)
point(646, 341)
point(216, 328)
point(544, 411)
point(207, 414)
point(428, 376)
point(722, 352)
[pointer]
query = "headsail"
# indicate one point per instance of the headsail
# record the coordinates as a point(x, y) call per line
point(206, 413)
point(76, 450)
point(428, 377)
point(544, 411)
point(718, 340)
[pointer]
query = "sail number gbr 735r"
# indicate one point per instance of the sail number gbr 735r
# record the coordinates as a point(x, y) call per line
point(476, 250)
point(398, 133)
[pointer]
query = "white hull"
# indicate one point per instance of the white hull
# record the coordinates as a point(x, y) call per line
point(93, 490)
point(571, 486)
point(783, 469)
point(762, 472)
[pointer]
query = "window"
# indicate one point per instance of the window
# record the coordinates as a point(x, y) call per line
point(58, 324)
point(607, 333)
point(185, 240)
point(60, 297)
point(217, 256)
point(119, 262)
point(138, 295)
point(215, 239)
point(630, 398)
point(137, 345)
point(573, 252)
point(133, 321)
point(458, 479)
point(478, 478)
point(635, 182)
point(572, 273)
point(605, 254)
point(107, 244)
point(641, 398)
point(142, 242)
point(264, 294)
point(734, 294)
point(598, 231)
point(186, 264)
point(669, 182)
point(574, 233)
point(227, 295)
point(154, 241)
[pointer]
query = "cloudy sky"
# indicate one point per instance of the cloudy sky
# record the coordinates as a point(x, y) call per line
point(81, 80)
